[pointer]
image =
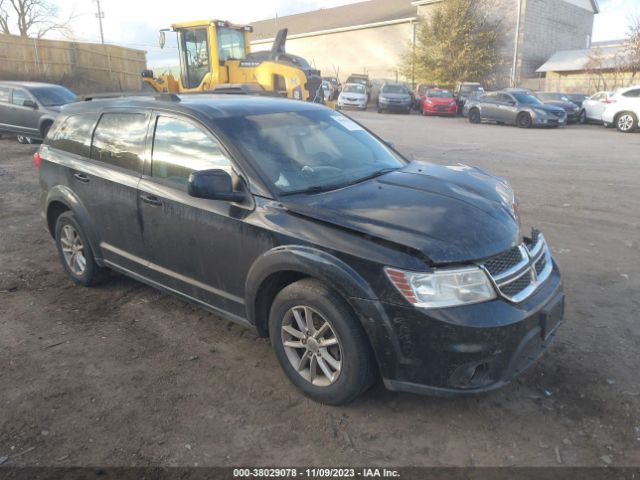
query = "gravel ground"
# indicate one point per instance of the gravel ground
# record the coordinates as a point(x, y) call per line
point(124, 375)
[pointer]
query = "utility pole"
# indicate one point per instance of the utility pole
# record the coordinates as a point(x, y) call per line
point(514, 67)
point(100, 16)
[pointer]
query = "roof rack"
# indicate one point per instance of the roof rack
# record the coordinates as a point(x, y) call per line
point(167, 97)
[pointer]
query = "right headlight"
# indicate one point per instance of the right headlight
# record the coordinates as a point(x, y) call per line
point(443, 288)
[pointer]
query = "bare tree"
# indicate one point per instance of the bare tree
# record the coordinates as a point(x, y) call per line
point(633, 47)
point(32, 18)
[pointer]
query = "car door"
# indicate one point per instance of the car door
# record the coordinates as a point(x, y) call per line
point(195, 245)
point(25, 117)
point(507, 110)
point(5, 109)
point(489, 106)
point(594, 106)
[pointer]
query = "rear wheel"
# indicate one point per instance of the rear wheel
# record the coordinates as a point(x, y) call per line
point(75, 253)
point(24, 140)
point(524, 120)
point(582, 118)
point(626, 122)
point(474, 115)
point(320, 343)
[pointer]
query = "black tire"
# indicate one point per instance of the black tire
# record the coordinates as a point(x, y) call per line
point(45, 131)
point(357, 368)
point(474, 115)
point(24, 140)
point(379, 110)
point(524, 120)
point(626, 122)
point(92, 274)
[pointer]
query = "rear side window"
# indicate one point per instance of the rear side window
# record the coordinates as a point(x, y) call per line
point(74, 134)
point(181, 148)
point(5, 94)
point(119, 140)
point(635, 93)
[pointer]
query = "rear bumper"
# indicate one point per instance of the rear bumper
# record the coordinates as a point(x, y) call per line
point(463, 350)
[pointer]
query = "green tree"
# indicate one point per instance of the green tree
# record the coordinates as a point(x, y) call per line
point(459, 41)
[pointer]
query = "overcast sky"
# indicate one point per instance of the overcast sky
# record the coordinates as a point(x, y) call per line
point(135, 23)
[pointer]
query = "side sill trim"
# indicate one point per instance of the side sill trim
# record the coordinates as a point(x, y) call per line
point(218, 311)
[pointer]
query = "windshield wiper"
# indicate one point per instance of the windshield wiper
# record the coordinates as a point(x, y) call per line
point(327, 188)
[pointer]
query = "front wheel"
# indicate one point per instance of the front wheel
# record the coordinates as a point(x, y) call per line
point(474, 115)
point(524, 120)
point(582, 118)
point(626, 122)
point(319, 343)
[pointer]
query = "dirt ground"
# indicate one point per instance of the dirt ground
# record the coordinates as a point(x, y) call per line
point(124, 375)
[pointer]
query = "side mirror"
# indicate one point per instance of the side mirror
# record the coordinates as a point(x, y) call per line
point(511, 103)
point(213, 185)
point(30, 103)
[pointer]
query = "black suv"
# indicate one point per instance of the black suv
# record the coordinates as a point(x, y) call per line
point(293, 220)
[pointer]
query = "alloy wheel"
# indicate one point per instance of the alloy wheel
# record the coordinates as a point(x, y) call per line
point(625, 122)
point(311, 346)
point(73, 250)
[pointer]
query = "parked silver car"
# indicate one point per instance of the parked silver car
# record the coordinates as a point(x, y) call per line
point(515, 107)
point(353, 95)
point(394, 97)
point(28, 109)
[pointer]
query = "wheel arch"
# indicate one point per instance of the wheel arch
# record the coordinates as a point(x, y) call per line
point(44, 123)
point(284, 265)
point(61, 199)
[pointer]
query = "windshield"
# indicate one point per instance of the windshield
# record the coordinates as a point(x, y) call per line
point(311, 150)
point(394, 89)
point(471, 88)
point(439, 94)
point(361, 81)
point(550, 97)
point(526, 99)
point(53, 96)
point(354, 89)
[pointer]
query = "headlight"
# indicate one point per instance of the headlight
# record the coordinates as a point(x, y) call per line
point(443, 288)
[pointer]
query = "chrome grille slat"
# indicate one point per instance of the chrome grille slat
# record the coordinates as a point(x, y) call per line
point(518, 278)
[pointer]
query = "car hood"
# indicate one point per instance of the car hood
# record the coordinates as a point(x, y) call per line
point(547, 107)
point(561, 104)
point(446, 214)
point(441, 101)
point(353, 95)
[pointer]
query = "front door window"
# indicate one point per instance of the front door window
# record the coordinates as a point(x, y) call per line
point(195, 51)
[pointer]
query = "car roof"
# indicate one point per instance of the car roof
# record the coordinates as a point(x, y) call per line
point(627, 89)
point(209, 105)
point(28, 84)
point(394, 84)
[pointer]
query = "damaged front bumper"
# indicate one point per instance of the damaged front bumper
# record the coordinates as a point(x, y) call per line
point(462, 350)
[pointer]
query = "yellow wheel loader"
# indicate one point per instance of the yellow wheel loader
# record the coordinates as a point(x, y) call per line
point(215, 55)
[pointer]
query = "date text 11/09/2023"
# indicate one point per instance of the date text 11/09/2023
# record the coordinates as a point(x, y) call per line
point(314, 473)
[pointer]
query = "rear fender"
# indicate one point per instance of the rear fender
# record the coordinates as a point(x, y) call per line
point(64, 195)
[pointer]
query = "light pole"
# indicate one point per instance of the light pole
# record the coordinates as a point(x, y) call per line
point(100, 16)
point(514, 67)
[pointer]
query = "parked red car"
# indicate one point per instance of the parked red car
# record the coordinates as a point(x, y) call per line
point(437, 101)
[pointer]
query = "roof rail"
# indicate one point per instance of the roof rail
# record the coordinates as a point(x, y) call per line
point(167, 97)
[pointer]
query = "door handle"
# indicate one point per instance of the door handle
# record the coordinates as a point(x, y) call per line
point(81, 176)
point(151, 200)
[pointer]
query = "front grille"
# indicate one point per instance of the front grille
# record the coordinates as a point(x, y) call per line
point(519, 272)
point(504, 261)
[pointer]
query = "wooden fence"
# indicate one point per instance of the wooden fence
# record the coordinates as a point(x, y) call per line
point(82, 67)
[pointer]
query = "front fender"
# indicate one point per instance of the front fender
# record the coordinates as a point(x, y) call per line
point(308, 261)
point(66, 196)
point(44, 120)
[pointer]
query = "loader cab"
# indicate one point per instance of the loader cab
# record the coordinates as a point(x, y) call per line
point(205, 48)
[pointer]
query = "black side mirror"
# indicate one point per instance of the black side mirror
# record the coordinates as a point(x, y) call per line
point(213, 185)
point(30, 103)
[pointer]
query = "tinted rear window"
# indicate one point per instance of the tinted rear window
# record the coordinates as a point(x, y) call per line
point(119, 140)
point(5, 94)
point(74, 134)
point(53, 96)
